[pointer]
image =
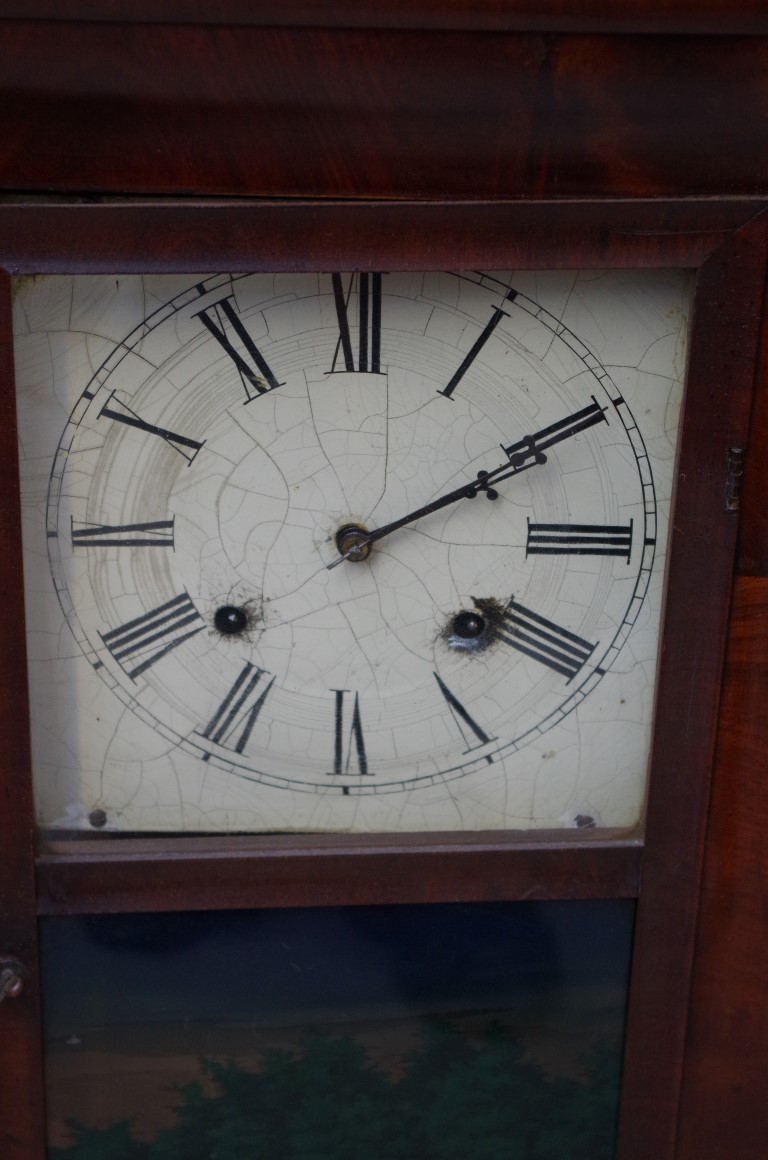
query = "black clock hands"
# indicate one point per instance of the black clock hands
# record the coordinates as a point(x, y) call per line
point(521, 456)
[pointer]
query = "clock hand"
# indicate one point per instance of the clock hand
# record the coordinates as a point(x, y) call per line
point(526, 453)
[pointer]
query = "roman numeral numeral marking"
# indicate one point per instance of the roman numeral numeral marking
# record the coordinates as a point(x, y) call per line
point(157, 534)
point(477, 346)
point(545, 641)
point(179, 443)
point(355, 738)
point(143, 641)
point(463, 719)
point(238, 712)
point(255, 372)
point(368, 320)
point(579, 540)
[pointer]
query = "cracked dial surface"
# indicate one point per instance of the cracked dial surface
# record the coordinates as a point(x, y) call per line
point(488, 665)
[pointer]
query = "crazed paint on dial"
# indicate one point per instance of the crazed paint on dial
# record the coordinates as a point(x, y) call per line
point(190, 450)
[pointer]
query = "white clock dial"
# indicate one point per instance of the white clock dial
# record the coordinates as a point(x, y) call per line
point(237, 537)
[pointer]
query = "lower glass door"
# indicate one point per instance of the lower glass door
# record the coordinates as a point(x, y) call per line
point(451, 1032)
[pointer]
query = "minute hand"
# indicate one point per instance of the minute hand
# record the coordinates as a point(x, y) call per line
point(522, 456)
point(517, 453)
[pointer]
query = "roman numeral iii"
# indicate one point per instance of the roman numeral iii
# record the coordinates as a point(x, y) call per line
point(579, 540)
point(545, 641)
point(224, 323)
point(367, 356)
point(142, 642)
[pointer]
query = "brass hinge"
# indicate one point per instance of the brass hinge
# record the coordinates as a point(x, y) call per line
point(734, 472)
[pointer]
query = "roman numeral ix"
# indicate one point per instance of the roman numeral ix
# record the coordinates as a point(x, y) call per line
point(368, 323)
point(157, 534)
point(537, 637)
point(142, 642)
point(579, 540)
point(222, 320)
point(238, 712)
point(477, 346)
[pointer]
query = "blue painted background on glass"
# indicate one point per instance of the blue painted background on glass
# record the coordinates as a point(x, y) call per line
point(452, 1032)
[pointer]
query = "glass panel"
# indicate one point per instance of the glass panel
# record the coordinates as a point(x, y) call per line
point(265, 588)
point(449, 1032)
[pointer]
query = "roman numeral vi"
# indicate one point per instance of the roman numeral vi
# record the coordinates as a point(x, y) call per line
point(341, 765)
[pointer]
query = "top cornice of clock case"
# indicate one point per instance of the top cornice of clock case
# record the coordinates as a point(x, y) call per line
point(643, 17)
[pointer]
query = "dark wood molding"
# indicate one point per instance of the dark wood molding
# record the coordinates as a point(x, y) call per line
point(724, 1111)
point(692, 17)
point(215, 110)
point(21, 1084)
point(721, 377)
point(128, 235)
point(201, 873)
point(753, 524)
point(238, 872)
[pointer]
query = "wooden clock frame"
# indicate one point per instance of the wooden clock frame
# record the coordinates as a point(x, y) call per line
point(707, 721)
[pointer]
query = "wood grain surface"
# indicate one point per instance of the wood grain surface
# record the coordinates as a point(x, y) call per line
point(724, 1111)
point(355, 113)
point(695, 17)
point(124, 235)
point(206, 873)
point(721, 376)
point(21, 1075)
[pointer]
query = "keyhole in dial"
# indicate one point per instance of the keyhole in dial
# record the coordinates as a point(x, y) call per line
point(468, 625)
point(230, 619)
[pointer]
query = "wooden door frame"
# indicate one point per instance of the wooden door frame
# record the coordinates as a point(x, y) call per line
point(726, 242)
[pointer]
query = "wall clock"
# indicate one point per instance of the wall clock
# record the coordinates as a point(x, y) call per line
point(464, 144)
point(356, 537)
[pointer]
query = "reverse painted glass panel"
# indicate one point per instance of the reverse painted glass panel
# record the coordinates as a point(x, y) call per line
point(487, 1032)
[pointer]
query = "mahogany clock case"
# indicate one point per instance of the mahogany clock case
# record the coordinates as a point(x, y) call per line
point(532, 139)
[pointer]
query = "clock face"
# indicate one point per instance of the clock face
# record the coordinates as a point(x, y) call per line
point(346, 551)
